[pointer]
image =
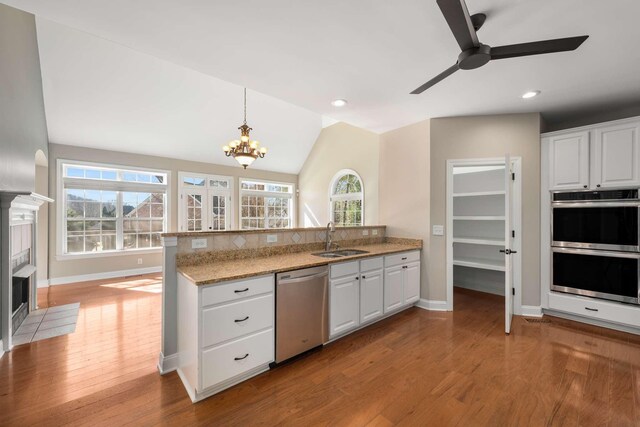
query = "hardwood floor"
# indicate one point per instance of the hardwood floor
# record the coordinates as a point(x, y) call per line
point(416, 368)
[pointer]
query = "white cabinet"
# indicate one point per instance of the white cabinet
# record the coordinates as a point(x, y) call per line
point(616, 155)
point(371, 295)
point(599, 156)
point(569, 161)
point(225, 333)
point(401, 280)
point(343, 304)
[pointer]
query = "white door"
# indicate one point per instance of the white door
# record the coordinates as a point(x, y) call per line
point(508, 264)
point(218, 211)
point(344, 313)
point(371, 295)
point(617, 156)
point(411, 283)
point(393, 288)
point(194, 210)
point(569, 161)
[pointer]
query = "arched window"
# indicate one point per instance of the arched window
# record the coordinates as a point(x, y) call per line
point(346, 196)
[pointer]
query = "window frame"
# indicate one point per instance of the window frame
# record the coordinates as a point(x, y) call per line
point(346, 197)
point(292, 196)
point(206, 191)
point(106, 185)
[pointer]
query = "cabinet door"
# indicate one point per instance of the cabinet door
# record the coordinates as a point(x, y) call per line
point(569, 161)
point(393, 278)
point(616, 156)
point(371, 296)
point(411, 283)
point(344, 305)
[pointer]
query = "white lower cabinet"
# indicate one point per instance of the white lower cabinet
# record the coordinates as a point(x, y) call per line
point(608, 311)
point(364, 291)
point(225, 333)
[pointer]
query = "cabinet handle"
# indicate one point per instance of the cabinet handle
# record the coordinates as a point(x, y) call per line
point(404, 266)
point(598, 185)
point(584, 186)
point(357, 278)
point(591, 309)
point(241, 290)
point(241, 358)
point(241, 320)
point(364, 277)
point(404, 258)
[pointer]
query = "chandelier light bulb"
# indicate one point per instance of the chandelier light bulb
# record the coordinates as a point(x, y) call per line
point(263, 150)
point(226, 148)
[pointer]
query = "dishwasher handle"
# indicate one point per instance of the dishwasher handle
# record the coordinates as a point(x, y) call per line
point(302, 278)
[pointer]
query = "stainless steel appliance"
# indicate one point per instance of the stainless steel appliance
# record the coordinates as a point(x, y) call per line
point(595, 239)
point(302, 310)
point(606, 220)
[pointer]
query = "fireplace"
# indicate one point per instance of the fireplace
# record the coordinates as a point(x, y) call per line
point(23, 272)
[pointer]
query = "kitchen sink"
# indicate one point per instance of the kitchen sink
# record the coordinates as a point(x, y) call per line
point(340, 253)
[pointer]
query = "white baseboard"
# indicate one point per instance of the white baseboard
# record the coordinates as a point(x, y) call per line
point(99, 276)
point(43, 283)
point(167, 364)
point(532, 311)
point(432, 305)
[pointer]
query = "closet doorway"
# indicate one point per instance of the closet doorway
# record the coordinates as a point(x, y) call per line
point(484, 229)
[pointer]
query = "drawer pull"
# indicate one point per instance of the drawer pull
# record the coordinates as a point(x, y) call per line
point(239, 291)
point(404, 258)
point(241, 320)
point(591, 309)
point(241, 358)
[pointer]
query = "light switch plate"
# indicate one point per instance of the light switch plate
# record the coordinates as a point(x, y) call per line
point(272, 238)
point(438, 230)
point(365, 232)
point(198, 243)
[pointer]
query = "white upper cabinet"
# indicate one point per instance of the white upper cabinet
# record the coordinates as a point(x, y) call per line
point(616, 155)
point(569, 161)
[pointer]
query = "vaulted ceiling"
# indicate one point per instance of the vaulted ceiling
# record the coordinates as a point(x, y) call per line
point(371, 52)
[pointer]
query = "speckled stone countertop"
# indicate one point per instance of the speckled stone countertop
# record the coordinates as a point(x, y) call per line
point(221, 271)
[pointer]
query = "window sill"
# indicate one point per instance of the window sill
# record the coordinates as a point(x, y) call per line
point(88, 255)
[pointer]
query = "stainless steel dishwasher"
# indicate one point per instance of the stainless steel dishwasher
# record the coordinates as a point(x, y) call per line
point(302, 310)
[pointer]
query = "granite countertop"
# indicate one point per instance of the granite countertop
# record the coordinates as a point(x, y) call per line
point(221, 271)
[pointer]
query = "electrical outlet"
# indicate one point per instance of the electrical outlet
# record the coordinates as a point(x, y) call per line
point(272, 238)
point(438, 230)
point(139, 261)
point(374, 232)
point(198, 243)
point(365, 232)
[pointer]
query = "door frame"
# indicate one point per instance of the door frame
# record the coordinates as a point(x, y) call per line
point(516, 218)
point(207, 192)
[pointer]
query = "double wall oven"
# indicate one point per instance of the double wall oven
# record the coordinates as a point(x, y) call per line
point(596, 244)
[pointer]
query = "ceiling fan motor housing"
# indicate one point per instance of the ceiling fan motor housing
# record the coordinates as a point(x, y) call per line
point(475, 57)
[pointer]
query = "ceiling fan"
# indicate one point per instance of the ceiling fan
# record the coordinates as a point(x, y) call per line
point(475, 54)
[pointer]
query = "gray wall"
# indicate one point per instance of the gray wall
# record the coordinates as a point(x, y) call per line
point(483, 137)
point(23, 128)
point(59, 268)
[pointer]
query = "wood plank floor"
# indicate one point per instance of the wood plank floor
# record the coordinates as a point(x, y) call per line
point(416, 368)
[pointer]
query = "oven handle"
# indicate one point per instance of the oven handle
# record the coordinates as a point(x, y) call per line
point(612, 254)
point(629, 204)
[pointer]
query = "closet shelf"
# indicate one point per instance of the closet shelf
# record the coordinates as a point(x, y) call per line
point(480, 193)
point(478, 218)
point(485, 264)
point(479, 241)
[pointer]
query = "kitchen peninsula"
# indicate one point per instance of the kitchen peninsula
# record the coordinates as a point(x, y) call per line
point(219, 300)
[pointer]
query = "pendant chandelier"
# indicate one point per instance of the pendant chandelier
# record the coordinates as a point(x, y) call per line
point(244, 150)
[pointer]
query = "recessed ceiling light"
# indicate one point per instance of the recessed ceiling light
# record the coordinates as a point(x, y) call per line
point(530, 94)
point(339, 102)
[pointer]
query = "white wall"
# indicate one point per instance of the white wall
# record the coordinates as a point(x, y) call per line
point(340, 146)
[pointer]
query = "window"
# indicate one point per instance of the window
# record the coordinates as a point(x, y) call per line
point(346, 199)
point(110, 209)
point(205, 202)
point(265, 205)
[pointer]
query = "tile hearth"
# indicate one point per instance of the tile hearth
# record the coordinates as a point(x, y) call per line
point(47, 323)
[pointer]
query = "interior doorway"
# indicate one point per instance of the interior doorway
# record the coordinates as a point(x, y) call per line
point(484, 229)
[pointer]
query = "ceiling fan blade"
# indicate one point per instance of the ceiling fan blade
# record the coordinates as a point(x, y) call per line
point(443, 75)
point(457, 16)
point(537, 48)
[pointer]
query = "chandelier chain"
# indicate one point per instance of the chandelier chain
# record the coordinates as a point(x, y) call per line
point(245, 105)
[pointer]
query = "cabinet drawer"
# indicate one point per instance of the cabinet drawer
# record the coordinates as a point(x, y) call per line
point(219, 363)
point(602, 310)
point(225, 322)
point(344, 269)
point(216, 294)
point(402, 258)
point(371, 264)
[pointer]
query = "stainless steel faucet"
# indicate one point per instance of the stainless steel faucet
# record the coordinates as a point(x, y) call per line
point(331, 227)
